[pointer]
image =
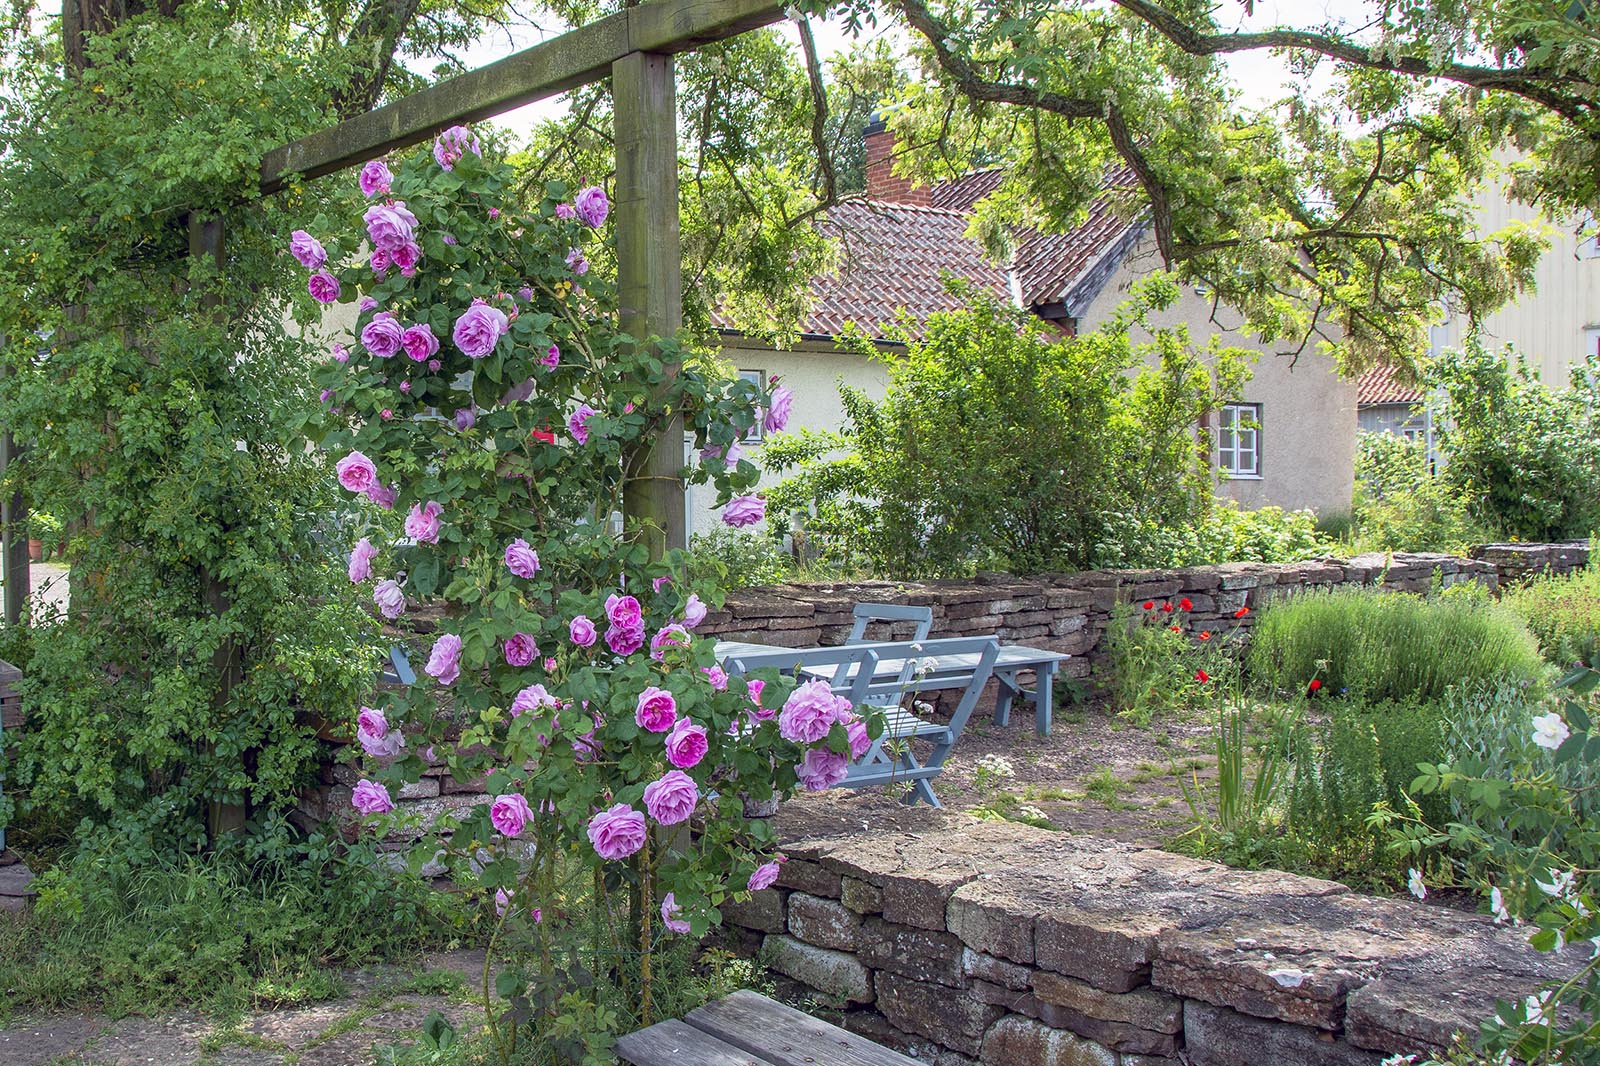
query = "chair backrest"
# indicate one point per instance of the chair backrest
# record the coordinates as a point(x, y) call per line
point(789, 661)
point(862, 660)
point(867, 613)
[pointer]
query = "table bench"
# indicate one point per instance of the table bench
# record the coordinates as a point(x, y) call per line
point(954, 671)
point(748, 1029)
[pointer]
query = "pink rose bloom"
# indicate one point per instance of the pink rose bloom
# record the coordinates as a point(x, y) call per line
point(582, 632)
point(509, 813)
point(323, 287)
point(592, 206)
point(577, 262)
point(375, 178)
point(405, 386)
point(856, 730)
point(521, 560)
point(578, 423)
point(617, 833)
point(744, 511)
point(808, 713)
point(659, 583)
point(383, 495)
point(502, 901)
point(520, 649)
point(669, 914)
point(686, 744)
point(341, 354)
point(625, 640)
point(766, 876)
point(821, 770)
point(454, 143)
point(466, 418)
point(367, 303)
point(419, 342)
point(422, 524)
point(729, 455)
point(673, 798)
point(670, 636)
point(566, 211)
point(657, 710)
point(390, 599)
point(382, 335)
point(531, 698)
point(479, 329)
point(390, 226)
point(717, 676)
point(694, 611)
point(361, 557)
point(444, 662)
point(377, 739)
point(552, 358)
point(778, 410)
point(405, 257)
point(550, 664)
point(307, 249)
point(370, 797)
point(624, 611)
point(380, 264)
point(755, 687)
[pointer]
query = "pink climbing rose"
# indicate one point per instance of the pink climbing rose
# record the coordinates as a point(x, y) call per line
point(778, 410)
point(383, 495)
point(592, 206)
point(766, 876)
point(375, 178)
point(479, 329)
point(624, 611)
point(422, 524)
point(510, 813)
point(625, 640)
point(744, 511)
point(323, 287)
point(860, 742)
point(521, 559)
point(669, 914)
point(390, 226)
point(520, 649)
point(582, 632)
point(617, 832)
point(419, 342)
point(389, 597)
point(307, 250)
point(671, 799)
point(361, 557)
point(821, 770)
point(694, 611)
point(532, 698)
point(376, 737)
point(810, 712)
point(672, 636)
point(370, 797)
point(578, 423)
point(657, 710)
point(453, 144)
point(356, 472)
point(444, 662)
point(382, 335)
point(686, 744)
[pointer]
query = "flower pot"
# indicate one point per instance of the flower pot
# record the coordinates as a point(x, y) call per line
point(35, 550)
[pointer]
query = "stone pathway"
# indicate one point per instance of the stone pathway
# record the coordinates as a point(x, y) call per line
point(384, 1006)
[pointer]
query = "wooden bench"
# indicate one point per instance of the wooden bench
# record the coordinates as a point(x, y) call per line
point(748, 1029)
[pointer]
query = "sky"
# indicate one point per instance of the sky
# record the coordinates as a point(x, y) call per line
point(1261, 77)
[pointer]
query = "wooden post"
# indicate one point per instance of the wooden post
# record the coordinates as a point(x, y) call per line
point(650, 273)
point(205, 241)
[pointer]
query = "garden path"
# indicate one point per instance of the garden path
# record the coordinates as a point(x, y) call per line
point(383, 1006)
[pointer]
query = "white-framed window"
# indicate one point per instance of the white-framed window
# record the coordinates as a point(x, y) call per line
point(1414, 434)
point(757, 378)
point(1239, 440)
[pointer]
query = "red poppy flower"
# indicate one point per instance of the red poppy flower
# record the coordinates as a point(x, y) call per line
point(1176, 629)
point(1205, 634)
point(1186, 604)
point(1241, 612)
point(1149, 605)
point(1201, 676)
point(1167, 607)
point(544, 435)
point(1316, 683)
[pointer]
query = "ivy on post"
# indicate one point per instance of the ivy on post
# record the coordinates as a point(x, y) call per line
point(649, 275)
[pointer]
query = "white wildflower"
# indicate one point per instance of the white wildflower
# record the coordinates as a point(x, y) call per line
point(1560, 883)
point(1497, 905)
point(996, 766)
point(1549, 731)
point(1414, 883)
point(1536, 1005)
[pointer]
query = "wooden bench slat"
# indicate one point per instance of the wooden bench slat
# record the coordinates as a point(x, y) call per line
point(673, 1043)
point(787, 1037)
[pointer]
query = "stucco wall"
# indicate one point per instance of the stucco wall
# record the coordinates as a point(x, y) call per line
point(814, 373)
point(1308, 413)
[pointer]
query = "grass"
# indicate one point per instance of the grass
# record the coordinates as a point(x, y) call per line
point(1106, 787)
point(1563, 613)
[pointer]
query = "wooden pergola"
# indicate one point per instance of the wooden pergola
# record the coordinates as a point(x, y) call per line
point(634, 48)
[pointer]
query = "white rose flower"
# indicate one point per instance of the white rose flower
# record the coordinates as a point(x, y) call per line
point(1549, 731)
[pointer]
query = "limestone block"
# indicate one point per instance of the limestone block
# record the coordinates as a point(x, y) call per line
point(952, 1019)
point(837, 975)
point(1217, 1036)
point(860, 896)
point(764, 910)
point(984, 967)
point(1018, 1041)
point(920, 954)
point(1144, 1007)
point(824, 922)
point(808, 877)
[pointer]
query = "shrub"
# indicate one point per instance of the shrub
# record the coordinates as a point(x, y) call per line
point(1158, 665)
point(1525, 458)
point(1400, 505)
point(1563, 612)
point(736, 559)
point(1388, 646)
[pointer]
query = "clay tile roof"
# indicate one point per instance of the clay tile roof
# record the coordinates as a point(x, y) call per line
point(893, 258)
point(1378, 385)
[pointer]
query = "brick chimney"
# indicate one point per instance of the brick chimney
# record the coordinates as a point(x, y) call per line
point(883, 184)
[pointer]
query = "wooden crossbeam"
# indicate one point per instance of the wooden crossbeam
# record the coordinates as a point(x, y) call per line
point(579, 57)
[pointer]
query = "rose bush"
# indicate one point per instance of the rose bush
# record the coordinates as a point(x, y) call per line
point(597, 743)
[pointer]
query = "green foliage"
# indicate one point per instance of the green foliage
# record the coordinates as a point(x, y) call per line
point(952, 458)
point(737, 559)
point(1563, 612)
point(1223, 534)
point(823, 489)
point(242, 929)
point(1160, 663)
point(1524, 457)
point(1401, 505)
point(161, 401)
point(1388, 646)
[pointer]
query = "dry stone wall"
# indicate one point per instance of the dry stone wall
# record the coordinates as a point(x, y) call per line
point(1516, 563)
point(962, 941)
point(1069, 612)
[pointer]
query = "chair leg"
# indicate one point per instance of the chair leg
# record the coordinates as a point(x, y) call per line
point(1044, 699)
point(1009, 691)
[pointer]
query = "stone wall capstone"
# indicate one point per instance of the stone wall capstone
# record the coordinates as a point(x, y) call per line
point(963, 941)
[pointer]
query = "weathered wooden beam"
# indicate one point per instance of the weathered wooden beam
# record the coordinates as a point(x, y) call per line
point(650, 272)
point(575, 58)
